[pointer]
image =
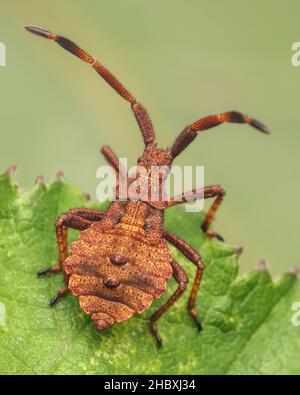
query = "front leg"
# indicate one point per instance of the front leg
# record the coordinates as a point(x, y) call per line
point(194, 257)
point(219, 193)
point(203, 193)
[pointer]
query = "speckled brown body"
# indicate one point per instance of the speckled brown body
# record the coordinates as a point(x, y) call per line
point(121, 261)
point(140, 277)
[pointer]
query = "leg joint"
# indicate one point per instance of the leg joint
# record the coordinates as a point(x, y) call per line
point(60, 220)
point(200, 265)
point(183, 284)
point(222, 192)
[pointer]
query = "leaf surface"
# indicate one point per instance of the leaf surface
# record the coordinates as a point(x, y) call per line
point(247, 321)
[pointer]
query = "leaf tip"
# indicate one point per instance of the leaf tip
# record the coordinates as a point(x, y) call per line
point(39, 180)
point(262, 265)
point(60, 175)
point(10, 171)
point(295, 270)
point(239, 250)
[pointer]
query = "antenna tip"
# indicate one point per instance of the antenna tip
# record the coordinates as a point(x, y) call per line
point(260, 126)
point(39, 31)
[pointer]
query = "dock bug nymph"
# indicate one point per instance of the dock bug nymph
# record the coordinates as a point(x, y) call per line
point(121, 261)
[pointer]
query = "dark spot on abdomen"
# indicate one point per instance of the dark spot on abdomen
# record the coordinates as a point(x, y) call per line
point(118, 259)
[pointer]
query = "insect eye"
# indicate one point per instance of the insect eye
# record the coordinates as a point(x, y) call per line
point(117, 218)
point(146, 226)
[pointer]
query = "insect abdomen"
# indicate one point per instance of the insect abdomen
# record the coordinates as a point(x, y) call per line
point(115, 275)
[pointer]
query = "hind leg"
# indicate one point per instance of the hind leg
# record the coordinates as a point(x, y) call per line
point(182, 280)
point(195, 258)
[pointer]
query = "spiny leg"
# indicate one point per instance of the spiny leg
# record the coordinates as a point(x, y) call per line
point(182, 279)
point(203, 193)
point(191, 131)
point(195, 258)
point(139, 111)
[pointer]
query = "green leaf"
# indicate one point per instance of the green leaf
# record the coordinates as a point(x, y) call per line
point(247, 321)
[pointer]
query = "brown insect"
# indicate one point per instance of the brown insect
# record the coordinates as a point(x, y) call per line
point(122, 261)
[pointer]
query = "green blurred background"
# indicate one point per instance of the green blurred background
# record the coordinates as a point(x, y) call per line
point(182, 60)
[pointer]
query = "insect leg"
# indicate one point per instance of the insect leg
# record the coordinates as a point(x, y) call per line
point(210, 215)
point(59, 294)
point(71, 220)
point(182, 279)
point(51, 269)
point(112, 159)
point(68, 220)
point(190, 132)
point(124, 179)
point(195, 258)
point(139, 111)
point(91, 215)
point(203, 193)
